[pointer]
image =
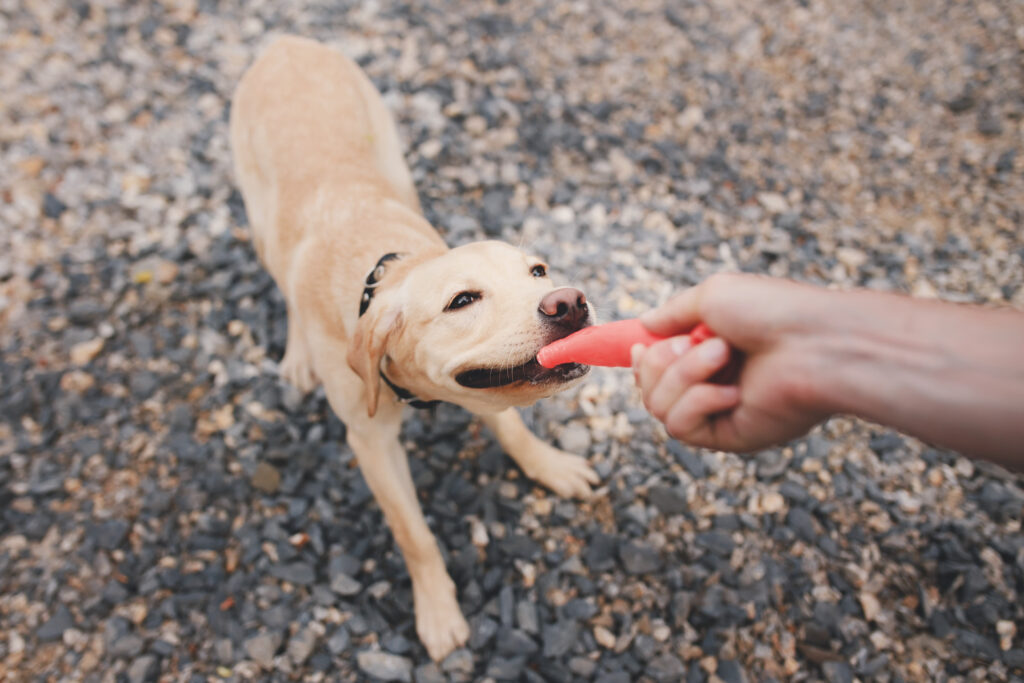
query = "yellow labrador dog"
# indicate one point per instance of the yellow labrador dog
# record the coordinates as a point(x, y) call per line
point(380, 310)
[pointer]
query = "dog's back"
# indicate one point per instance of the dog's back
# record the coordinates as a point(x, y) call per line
point(299, 122)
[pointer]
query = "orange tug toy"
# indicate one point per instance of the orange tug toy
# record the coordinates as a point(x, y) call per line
point(607, 345)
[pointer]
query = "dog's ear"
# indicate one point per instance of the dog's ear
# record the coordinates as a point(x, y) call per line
point(367, 347)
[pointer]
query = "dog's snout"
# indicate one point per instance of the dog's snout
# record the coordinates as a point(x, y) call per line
point(565, 306)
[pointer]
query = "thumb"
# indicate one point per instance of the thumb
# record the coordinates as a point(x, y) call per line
point(678, 315)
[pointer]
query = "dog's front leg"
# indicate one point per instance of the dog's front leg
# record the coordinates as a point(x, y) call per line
point(384, 464)
point(566, 474)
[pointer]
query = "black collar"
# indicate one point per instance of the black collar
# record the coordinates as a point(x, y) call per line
point(372, 280)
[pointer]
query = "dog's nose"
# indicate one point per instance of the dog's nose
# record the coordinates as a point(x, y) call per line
point(565, 306)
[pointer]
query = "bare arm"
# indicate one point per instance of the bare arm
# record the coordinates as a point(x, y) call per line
point(947, 373)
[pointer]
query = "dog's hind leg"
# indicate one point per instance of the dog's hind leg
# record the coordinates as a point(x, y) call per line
point(297, 363)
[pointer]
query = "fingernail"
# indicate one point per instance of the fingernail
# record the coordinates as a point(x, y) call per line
point(635, 352)
point(680, 345)
point(712, 351)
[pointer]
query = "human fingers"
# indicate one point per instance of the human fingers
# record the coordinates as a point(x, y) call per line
point(693, 367)
point(692, 418)
point(649, 364)
point(678, 314)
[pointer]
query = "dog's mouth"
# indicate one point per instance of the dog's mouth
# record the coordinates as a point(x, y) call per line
point(531, 372)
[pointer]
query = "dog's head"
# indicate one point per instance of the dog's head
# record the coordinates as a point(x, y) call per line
point(466, 326)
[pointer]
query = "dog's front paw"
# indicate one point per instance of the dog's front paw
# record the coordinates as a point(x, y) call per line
point(297, 368)
point(439, 621)
point(570, 476)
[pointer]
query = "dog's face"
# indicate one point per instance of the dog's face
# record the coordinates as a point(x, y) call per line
point(466, 327)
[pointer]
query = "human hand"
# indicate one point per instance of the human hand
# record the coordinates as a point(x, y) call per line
point(771, 328)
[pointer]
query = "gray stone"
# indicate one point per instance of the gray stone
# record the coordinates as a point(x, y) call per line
point(385, 666)
point(526, 616)
point(261, 648)
point(343, 584)
point(459, 661)
point(559, 638)
point(301, 645)
point(144, 669)
point(55, 626)
point(665, 668)
point(837, 672)
point(640, 558)
point(429, 673)
point(668, 500)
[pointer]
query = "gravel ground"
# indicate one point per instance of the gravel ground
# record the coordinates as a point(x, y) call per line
point(170, 509)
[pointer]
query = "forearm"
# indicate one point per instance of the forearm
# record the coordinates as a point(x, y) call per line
point(949, 374)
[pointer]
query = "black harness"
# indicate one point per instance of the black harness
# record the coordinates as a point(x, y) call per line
point(372, 280)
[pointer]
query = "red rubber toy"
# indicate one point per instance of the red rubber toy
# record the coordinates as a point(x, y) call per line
point(607, 345)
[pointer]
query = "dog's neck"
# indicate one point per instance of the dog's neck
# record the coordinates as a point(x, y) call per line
point(372, 280)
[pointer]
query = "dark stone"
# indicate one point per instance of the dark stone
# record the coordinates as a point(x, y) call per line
point(640, 558)
point(53, 207)
point(802, 523)
point(837, 672)
point(296, 572)
point(1014, 658)
point(717, 542)
point(794, 492)
point(86, 312)
point(559, 637)
point(505, 668)
point(770, 465)
point(730, 671)
point(668, 500)
point(144, 383)
point(816, 104)
point(688, 459)
point(513, 642)
point(482, 630)
point(339, 641)
point(666, 667)
point(962, 102)
point(599, 555)
point(55, 626)
point(111, 534)
point(989, 122)
point(975, 645)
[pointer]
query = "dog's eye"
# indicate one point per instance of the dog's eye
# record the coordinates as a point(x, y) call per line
point(539, 270)
point(461, 300)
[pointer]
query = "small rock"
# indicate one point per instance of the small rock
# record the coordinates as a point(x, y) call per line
point(343, 584)
point(801, 522)
point(688, 459)
point(773, 202)
point(575, 438)
point(83, 353)
point(266, 478)
point(460, 661)
point(666, 667)
point(301, 645)
point(144, 669)
point(837, 672)
point(870, 605)
point(604, 637)
point(559, 637)
point(294, 572)
point(386, 667)
point(429, 673)
point(55, 626)
point(339, 641)
point(668, 500)
point(640, 558)
point(261, 649)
